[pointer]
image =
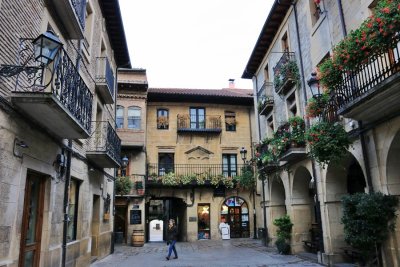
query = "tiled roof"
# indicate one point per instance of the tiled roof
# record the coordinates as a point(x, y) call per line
point(225, 92)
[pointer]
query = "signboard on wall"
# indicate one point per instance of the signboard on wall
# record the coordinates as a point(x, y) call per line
point(135, 217)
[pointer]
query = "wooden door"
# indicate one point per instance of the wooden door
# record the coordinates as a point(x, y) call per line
point(31, 231)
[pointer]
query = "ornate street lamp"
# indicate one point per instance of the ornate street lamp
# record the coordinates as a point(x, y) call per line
point(313, 83)
point(125, 161)
point(46, 47)
point(243, 154)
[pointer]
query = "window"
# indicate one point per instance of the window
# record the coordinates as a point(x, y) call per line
point(285, 43)
point(315, 10)
point(165, 163)
point(162, 119)
point(89, 17)
point(72, 209)
point(291, 104)
point(230, 121)
point(229, 165)
point(134, 118)
point(266, 73)
point(197, 118)
point(120, 117)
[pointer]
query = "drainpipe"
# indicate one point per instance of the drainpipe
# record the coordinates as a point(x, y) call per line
point(254, 190)
point(68, 177)
point(317, 202)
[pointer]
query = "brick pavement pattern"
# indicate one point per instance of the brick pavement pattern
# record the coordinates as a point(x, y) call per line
point(204, 253)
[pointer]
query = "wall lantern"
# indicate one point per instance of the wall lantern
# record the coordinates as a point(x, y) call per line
point(125, 161)
point(46, 47)
point(313, 83)
point(243, 154)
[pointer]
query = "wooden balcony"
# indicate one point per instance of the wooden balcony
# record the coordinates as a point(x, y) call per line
point(59, 103)
point(285, 73)
point(199, 124)
point(105, 80)
point(371, 91)
point(104, 146)
point(72, 15)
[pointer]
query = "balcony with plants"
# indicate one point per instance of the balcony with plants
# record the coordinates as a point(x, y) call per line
point(131, 185)
point(54, 96)
point(105, 80)
point(265, 104)
point(104, 146)
point(286, 73)
point(72, 14)
point(364, 70)
point(199, 124)
point(208, 175)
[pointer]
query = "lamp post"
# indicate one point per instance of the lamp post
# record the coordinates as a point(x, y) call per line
point(243, 155)
point(125, 161)
point(313, 83)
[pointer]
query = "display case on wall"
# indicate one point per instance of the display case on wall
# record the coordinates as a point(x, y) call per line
point(203, 216)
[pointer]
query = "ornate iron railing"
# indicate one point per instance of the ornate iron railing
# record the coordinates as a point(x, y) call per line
point(285, 72)
point(208, 170)
point(199, 123)
point(359, 81)
point(104, 73)
point(105, 139)
point(59, 78)
point(265, 104)
point(80, 10)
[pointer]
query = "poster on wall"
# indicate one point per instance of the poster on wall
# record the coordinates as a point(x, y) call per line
point(135, 217)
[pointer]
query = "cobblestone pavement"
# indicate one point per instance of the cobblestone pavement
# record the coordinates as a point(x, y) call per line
point(204, 253)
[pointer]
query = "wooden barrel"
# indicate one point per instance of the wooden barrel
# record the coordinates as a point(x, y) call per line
point(137, 238)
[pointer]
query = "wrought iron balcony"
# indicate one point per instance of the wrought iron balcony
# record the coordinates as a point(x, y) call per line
point(294, 154)
point(194, 172)
point(105, 80)
point(55, 96)
point(72, 15)
point(266, 104)
point(371, 90)
point(104, 145)
point(286, 73)
point(207, 124)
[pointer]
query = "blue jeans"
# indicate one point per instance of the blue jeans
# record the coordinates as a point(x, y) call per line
point(172, 247)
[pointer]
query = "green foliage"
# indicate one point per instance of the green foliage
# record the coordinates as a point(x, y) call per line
point(284, 233)
point(187, 179)
point(123, 185)
point(316, 106)
point(170, 179)
point(228, 182)
point(297, 130)
point(263, 101)
point(246, 179)
point(377, 34)
point(368, 219)
point(139, 185)
point(328, 142)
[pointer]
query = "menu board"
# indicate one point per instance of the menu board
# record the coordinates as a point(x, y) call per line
point(136, 217)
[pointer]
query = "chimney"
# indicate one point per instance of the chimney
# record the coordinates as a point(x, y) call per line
point(231, 83)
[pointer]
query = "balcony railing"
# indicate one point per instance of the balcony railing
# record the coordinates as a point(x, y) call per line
point(56, 97)
point(208, 123)
point(104, 146)
point(207, 172)
point(371, 88)
point(266, 104)
point(72, 14)
point(286, 73)
point(105, 79)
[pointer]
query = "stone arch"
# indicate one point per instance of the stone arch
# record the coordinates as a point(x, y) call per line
point(277, 204)
point(342, 178)
point(302, 210)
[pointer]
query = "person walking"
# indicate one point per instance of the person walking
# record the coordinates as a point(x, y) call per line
point(172, 236)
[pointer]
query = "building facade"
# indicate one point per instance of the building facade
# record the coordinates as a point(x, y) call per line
point(59, 146)
point(193, 144)
point(296, 39)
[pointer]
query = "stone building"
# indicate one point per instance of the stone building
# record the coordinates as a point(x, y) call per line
point(59, 147)
point(193, 144)
point(302, 34)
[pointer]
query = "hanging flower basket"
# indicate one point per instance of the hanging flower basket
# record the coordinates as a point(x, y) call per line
point(328, 142)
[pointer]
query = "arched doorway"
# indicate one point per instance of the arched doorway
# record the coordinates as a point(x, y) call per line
point(303, 215)
point(345, 177)
point(277, 206)
point(236, 213)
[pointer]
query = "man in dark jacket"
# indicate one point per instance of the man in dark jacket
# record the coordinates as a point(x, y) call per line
point(172, 236)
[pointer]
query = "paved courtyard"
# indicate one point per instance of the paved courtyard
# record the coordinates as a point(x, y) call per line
point(207, 253)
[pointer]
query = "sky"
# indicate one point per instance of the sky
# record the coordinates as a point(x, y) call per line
point(193, 43)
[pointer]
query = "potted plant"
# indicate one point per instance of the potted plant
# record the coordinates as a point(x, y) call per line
point(316, 105)
point(286, 71)
point(328, 142)
point(170, 179)
point(139, 187)
point(123, 185)
point(246, 178)
point(367, 220)
point(297, 130)
point(284, 234)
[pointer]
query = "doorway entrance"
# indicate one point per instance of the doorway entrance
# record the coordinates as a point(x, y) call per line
point(236, 213)
point(31, 231)
point(120, 224)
